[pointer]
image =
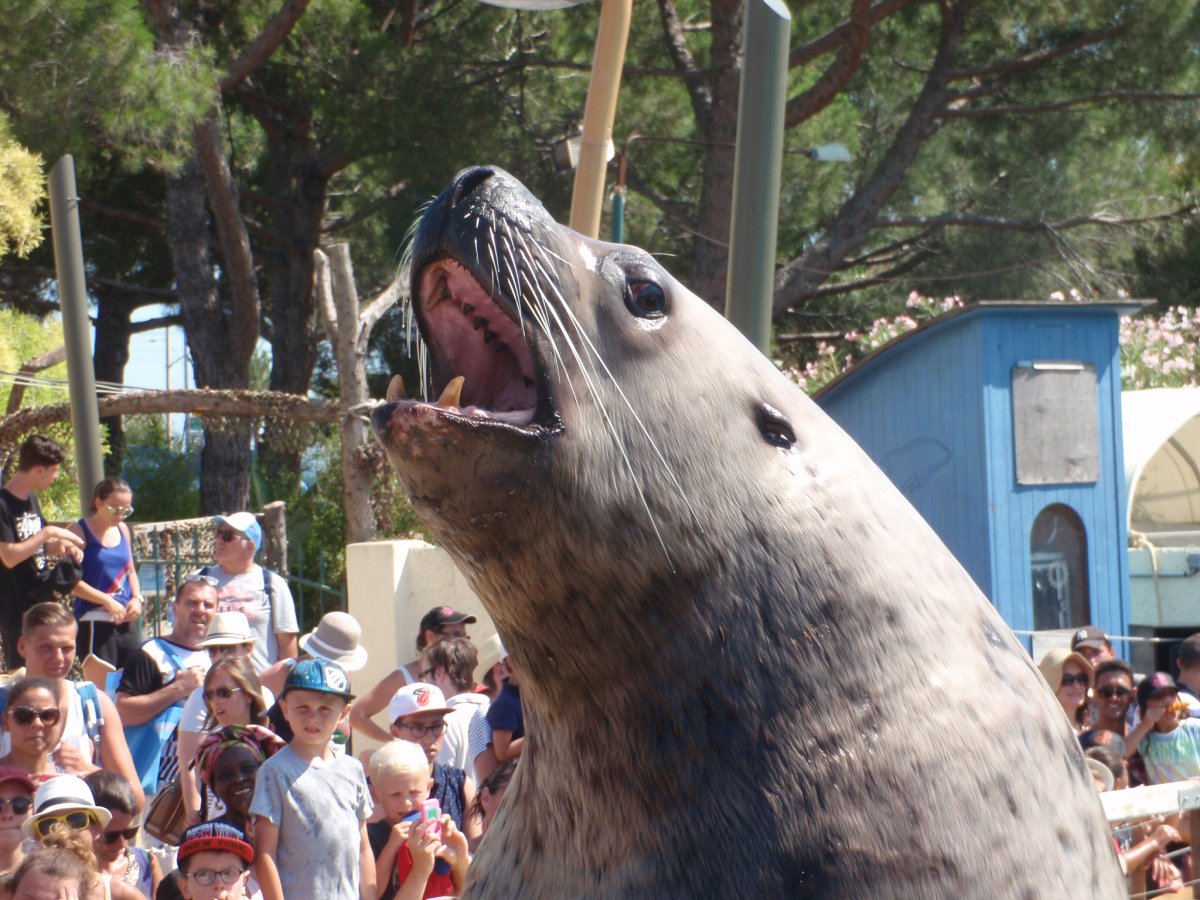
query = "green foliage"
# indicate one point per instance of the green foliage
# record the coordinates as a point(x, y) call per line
point(22, 188)
point(164, 477)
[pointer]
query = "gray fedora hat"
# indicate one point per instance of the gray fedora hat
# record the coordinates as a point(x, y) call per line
point(337, 638)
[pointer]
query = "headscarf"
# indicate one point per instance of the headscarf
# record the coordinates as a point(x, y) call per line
point(261, 742)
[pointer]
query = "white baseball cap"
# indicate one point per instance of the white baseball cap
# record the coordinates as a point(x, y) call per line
point(417, 697)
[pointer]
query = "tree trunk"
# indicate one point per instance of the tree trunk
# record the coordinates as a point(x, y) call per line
point(210, 329)
point(349, 330)
point(297, 186)
point(109, 359)
point(710, 247)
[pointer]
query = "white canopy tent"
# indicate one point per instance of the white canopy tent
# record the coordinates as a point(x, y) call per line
point(1161, 429)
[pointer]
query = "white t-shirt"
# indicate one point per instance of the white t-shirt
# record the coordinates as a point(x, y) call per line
point(245, 594)
point(456, 744)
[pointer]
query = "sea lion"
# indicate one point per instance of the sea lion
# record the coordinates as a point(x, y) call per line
point(750, 669)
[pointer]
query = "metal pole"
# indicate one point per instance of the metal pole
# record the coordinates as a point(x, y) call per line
point(587, 198)
point(77, 328)
point(758, 163)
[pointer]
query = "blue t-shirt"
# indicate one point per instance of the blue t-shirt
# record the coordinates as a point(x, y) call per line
point(505, 712)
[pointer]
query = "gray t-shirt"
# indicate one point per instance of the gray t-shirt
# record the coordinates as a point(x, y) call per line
point(319, 808)
point(245, 594)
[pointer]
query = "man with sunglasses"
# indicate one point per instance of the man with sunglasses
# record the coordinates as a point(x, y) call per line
point(27, 543)
point(160, 676)
point(257, 593)
point(92, 734)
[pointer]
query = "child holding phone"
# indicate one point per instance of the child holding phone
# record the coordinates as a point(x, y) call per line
point(419, 852)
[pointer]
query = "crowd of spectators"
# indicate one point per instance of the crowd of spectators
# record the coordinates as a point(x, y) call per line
point(1134, 730)
point(226, 736)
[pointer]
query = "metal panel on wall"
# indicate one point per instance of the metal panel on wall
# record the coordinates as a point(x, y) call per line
point(1056, 431)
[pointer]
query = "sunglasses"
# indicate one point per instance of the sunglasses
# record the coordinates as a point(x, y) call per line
point(76, 821)
point(111, 837)
point(1110, 693)
point(228, 534)
point(20, 805)
point(24, 715)
point(195, 577)
point(1068, 680)
point(119, 510)
point(221, 693)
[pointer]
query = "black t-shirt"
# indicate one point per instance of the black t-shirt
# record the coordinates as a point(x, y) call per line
point(378, 834)
point(143, 674)
point(19, 520)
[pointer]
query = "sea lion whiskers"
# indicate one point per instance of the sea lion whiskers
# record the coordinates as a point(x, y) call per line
point(589, 375)
point(621, 393)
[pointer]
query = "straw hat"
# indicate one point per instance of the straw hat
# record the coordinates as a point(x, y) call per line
point(63, 794)
point(228, 629)
point(491, 652)
point(337, 638)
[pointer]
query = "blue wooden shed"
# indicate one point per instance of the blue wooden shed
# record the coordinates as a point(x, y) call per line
point(1001, 423)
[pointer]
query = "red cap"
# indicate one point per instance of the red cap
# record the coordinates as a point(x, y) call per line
point(13, 773)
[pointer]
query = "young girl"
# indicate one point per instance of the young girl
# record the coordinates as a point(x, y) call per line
point(108, 599)
point(115, 854)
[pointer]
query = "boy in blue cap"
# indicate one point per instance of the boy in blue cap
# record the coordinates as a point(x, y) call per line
point(310, 805)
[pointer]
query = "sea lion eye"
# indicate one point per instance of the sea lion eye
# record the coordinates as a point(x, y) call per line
point(645, 299)
point(775, 428)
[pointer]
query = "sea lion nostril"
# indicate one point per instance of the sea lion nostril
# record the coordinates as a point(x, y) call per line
point(775, 427)
point(467, 181)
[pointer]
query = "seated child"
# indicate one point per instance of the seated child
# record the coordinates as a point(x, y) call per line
point(310, 803)
point(214, 862)
point(411, 861)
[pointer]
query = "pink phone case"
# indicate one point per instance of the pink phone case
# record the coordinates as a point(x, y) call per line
point(431, 813)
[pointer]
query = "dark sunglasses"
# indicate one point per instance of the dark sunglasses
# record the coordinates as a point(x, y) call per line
point(20, 805)
point(228, 534)
point(1068, 680)
point(76, 821)
point(24, 715)
point(1108, 693)
point(221, 693)
point(111, 837)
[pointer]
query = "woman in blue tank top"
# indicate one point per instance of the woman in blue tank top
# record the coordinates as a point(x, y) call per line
point(108, 599)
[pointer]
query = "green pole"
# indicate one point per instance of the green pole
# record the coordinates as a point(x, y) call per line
point(758, 163)
point(618, 216)
point(77, 328)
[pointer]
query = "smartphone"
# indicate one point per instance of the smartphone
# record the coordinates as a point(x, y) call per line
point(431, 814)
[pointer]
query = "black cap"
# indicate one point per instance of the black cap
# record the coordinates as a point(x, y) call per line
point(440, 616)
point(1158, 683)
point(1090, 636)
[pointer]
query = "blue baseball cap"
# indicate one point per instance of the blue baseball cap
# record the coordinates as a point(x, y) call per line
point(320, 676)
point(244, 523)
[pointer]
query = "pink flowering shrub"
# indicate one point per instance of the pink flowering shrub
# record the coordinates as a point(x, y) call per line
point(1156, 351)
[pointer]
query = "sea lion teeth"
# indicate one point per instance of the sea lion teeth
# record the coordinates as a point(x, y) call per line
point(395, 389)
point(452, 395)
point(479, 322)
point(440, 292)
point(488, 335)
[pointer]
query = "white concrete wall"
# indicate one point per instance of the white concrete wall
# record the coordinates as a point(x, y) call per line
point(390, 585)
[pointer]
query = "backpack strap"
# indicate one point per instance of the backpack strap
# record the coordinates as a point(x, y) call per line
point(93, 713)
point(268, 586)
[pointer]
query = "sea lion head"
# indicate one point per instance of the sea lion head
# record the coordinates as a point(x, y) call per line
point(732, 629)
point(587, 371)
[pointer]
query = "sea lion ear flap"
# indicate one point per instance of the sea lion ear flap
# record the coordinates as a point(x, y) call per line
point(775, 427)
